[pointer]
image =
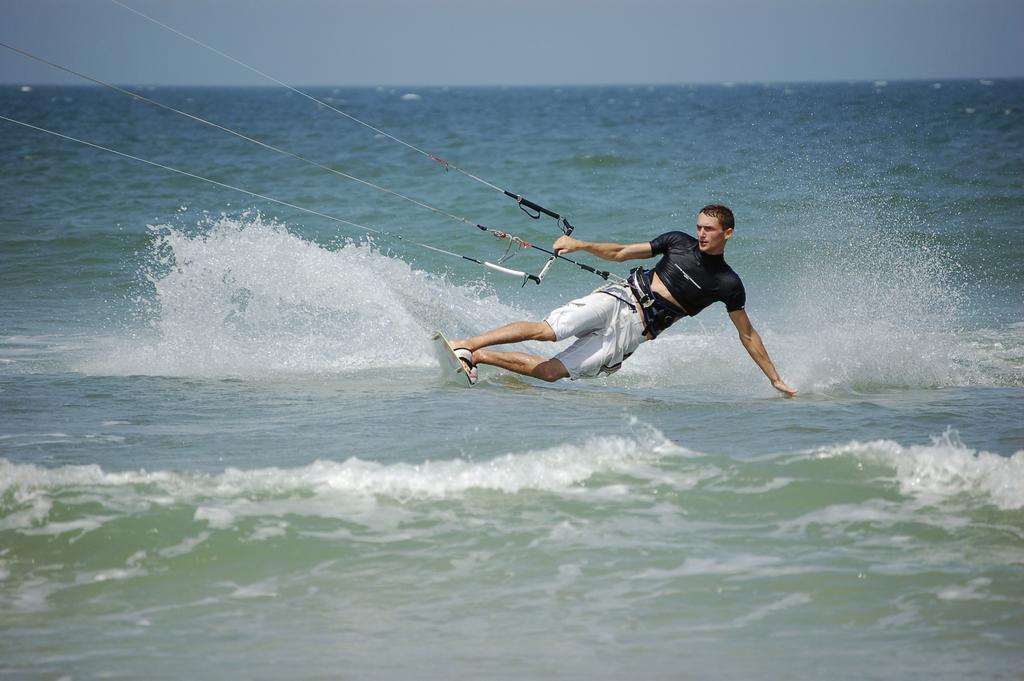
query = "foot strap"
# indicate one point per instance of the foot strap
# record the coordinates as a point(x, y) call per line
point(465, 355)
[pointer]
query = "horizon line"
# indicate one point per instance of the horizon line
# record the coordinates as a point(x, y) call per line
point(650, 84)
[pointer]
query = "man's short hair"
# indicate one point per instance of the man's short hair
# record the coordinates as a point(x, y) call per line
point(720, 213)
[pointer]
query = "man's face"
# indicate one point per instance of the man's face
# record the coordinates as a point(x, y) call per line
point(710, 235)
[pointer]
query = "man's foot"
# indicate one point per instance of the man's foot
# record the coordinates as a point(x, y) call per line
point(466, 356)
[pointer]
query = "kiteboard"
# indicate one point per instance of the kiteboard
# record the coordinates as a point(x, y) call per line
point(452, 368)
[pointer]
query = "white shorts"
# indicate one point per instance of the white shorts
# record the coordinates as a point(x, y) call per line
point(608, 326)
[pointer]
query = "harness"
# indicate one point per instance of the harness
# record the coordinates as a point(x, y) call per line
point(659, 314)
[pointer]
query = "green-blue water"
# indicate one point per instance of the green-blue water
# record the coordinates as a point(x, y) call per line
point(225, 450)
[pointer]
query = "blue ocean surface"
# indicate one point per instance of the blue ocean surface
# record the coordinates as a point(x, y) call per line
point(226, 450)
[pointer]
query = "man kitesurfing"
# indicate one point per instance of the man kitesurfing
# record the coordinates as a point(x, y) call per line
point(610, 323)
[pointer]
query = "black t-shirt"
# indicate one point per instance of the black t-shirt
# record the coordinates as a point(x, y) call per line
point(693, 278)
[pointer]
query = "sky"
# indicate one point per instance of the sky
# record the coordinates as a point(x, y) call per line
point(514, 42)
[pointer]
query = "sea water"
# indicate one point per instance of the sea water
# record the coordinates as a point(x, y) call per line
point(226, 451)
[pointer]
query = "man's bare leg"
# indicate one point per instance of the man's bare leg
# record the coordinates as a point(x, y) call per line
point(522, 363)
point(518, 362)
point(516, 332)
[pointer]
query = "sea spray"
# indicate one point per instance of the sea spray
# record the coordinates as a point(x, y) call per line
point(246, 297)
point(873, 310)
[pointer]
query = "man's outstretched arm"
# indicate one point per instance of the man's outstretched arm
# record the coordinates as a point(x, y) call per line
point(752, 342)
point(605, 251)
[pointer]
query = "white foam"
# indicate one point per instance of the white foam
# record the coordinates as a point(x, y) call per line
point(694, 567)
point(835, 519)
point(217, 518)
point(81, 525)
point(32, 595)
point(968, 592)
point(264, 589)
point(786, 602)
point(247, 298)
point(136, 558)
point(35, 439)
point(36, 514)
point(945, 468)
point(113, 574)
point(556, 469)
point(346, 489)
point(770, 486)
point(185, 546)
point(264, 532)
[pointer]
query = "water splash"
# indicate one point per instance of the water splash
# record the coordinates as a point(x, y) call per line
point(872, 311)
point(246, 297)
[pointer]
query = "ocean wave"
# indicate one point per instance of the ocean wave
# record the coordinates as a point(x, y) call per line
point(637, 468)
point(944, 469)
point(28, 491)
